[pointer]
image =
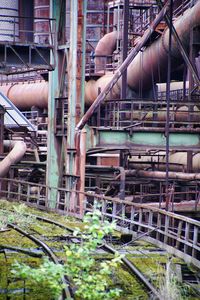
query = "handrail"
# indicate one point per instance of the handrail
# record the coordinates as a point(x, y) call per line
point(182, 8)
point(178, 234)
point(100, 197)
point(21, 35)
point(123, 113)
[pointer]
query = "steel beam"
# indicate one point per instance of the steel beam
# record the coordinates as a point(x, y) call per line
point(125, 46)
point(24, 58)
point(72, 94)
point(53, 143)
point(117, 138)
point(76, 80)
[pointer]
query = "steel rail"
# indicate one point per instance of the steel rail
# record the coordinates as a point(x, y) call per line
point(135, 271)
point(131, 267)
point(52, 222)
point(47, 250)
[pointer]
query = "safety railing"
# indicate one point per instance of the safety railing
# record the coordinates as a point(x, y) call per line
point(178, 234)
point(130, 113)
point(139, 22)
point(31, 77)
point(185, 4)
point(176, 95)
point(100, 64)
point(26, 30)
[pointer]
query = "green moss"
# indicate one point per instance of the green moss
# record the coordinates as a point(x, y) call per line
point(12, 287)
point(14, 238)
point(152, 265)
point(130, 286)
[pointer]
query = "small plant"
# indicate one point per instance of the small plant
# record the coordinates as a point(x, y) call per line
point(91, 280)
point(18, 217)
point(47, 276)
point(88, 279)
point(170, 287)
point(3, 220)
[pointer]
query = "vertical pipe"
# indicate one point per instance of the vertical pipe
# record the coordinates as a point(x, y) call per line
point(80, 101)
point(125, 46)
point(83, 57)
point(168, 104)
point(41, 24)
point(108, 20)
point(189, 161)
point(72, 71)
point(83, 136)
point(2, 112)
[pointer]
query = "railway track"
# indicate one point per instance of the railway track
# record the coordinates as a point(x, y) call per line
point(39, 241)
point(47, 250)
point(134, 271)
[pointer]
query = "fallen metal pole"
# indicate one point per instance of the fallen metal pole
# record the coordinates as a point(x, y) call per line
point(123, 67)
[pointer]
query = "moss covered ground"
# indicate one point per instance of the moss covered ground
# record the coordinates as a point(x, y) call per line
point(144, 255)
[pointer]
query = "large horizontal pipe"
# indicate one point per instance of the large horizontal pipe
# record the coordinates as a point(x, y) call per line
point(152, 62)
point(154, 59)
point(92, 88)
point(26, 95)
point(177, 114)
point(162, 175)
point(177, 161)
point(14, 156)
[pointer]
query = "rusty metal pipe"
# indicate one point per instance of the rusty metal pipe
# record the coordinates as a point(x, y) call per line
point(162, 175)
point(152, 60)
point(83, 140)
point(178, 114)
point(177, 161)
point(101, 97)
point(105, 47)
point(26, 95)
point(14, 156)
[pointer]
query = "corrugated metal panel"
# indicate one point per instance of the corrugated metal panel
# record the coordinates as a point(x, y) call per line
point(13, 118)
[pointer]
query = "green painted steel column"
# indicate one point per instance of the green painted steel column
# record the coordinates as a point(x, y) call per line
point(72, 72)
point(52, 175)
point(72, 94)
